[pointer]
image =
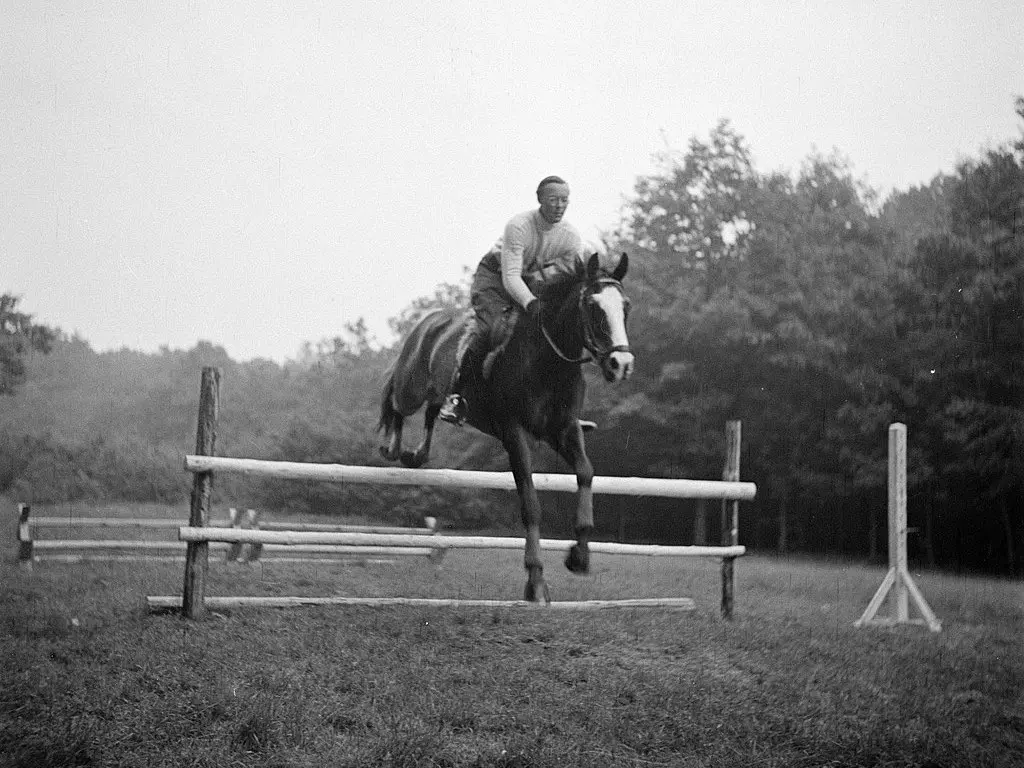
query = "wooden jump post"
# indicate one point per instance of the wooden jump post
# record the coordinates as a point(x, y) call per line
point(198, 552)
point(730, 516)
point(24, 537)
point(898, 580)
point(199, 534)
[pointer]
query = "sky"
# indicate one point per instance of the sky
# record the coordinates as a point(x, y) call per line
point(259, 175)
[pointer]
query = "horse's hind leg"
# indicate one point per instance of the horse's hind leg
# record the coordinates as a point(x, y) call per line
point(393, 450)
point(418, 457)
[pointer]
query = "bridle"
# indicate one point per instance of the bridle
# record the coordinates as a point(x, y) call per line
point(594, 350)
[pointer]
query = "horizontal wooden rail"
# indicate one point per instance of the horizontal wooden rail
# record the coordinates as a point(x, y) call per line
point(47, 545)
point(328, 528)
point(113, 522)
point(342, 549)
point(670, 603)
point(459, 478)
point(175, 523)
point(248, 536)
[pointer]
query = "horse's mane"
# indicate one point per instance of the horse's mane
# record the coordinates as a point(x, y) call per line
point(558, 291)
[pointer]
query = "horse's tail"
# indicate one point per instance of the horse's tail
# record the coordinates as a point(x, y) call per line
point(387, 406)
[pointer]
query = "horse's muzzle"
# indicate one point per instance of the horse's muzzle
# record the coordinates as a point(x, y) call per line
point(617, 365)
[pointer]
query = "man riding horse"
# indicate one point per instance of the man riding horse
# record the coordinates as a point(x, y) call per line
point(535, 388)
point(538, 248)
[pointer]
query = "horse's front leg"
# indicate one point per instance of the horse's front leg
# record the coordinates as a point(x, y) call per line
point(572, 449)
point(393, 450)
point(520, 458)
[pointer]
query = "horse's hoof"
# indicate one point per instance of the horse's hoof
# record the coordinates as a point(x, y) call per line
point(386, 454)
point(534, 593)
point(412, 459)
point(578, 559)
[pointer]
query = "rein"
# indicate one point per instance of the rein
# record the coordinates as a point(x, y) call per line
point(592, 351)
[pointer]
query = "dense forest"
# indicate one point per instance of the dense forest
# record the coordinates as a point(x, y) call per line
point(797, 302)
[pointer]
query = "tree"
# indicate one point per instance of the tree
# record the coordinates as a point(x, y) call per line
point(975, 325)
point(445, 296)
point(19, 337)
point(749, 288)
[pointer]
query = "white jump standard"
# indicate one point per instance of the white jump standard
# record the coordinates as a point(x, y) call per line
point(898, 582)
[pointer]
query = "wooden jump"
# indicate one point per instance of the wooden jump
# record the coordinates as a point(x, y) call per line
point(204, 463)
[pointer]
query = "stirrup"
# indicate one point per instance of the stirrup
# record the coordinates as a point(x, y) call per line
point(587, 426)
point(453, 410)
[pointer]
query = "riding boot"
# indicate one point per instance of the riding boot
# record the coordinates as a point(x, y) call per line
point(455, 408)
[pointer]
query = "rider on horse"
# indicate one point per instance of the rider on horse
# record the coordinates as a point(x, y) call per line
point(538, 248)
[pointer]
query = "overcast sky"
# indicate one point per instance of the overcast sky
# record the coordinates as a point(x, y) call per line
point(258, 175)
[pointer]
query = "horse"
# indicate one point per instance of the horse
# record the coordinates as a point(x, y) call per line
point(535, 389)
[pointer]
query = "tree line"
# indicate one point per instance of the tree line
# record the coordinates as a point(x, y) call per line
point(799, 303)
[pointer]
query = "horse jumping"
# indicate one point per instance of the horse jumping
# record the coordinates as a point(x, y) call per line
point(535, 388)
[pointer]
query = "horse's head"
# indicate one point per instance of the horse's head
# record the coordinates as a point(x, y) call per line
point(604, 309)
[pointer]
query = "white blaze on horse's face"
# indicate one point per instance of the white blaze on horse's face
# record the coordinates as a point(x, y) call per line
point(618, 365)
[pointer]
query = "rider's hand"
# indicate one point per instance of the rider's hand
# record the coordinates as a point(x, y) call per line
point(533, 310)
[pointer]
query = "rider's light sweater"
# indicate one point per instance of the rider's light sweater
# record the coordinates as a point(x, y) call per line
point(538, 249)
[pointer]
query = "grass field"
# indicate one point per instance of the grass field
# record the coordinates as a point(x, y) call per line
point(90, 679)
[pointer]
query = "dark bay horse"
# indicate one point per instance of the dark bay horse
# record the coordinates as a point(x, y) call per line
point(535, 388)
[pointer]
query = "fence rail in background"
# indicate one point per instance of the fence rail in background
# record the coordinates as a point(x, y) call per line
point(251, 524)
point(32, 549)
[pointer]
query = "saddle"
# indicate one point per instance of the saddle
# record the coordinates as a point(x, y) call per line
point(499, 338)
point(489, 342)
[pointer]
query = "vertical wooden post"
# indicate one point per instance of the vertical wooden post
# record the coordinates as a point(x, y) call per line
point(252, 519)
point(897, 494)
point(198, 552)
point(436, 553)
point(730, 515)
point(700, 522)
point(898, 576)
point(24, 537)
point(234, 553)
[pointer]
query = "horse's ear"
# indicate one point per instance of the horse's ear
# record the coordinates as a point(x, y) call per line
point(620, 271)
point(593, 266)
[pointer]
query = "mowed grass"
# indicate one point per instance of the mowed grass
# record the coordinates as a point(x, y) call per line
point(90, 679)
